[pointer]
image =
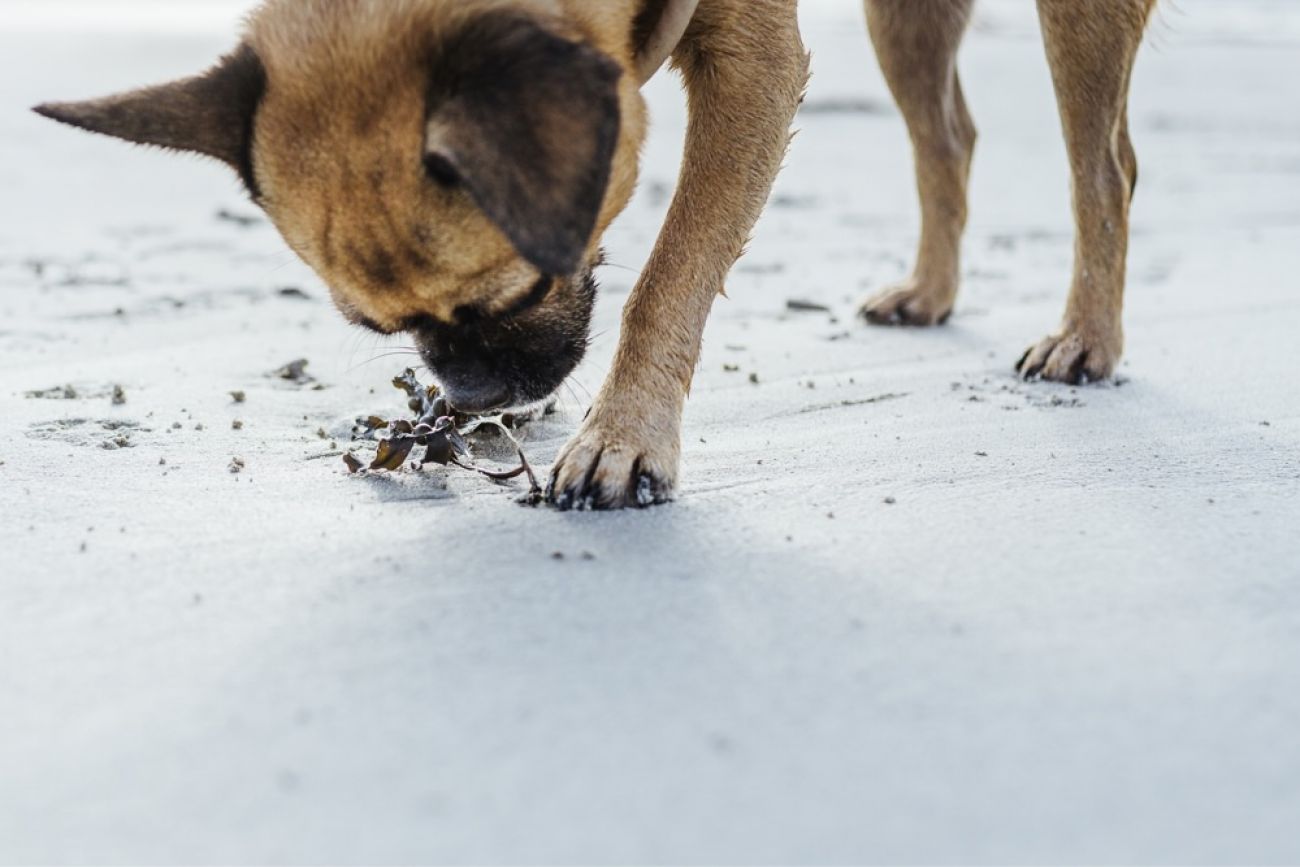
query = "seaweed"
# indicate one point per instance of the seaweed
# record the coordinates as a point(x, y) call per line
point(441, 431)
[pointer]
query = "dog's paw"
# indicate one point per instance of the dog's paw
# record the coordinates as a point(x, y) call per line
point(909, 303)
point(616, 466)
point(1071, 356)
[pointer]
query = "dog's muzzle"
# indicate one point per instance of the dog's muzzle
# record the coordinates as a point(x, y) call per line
point(497, 363)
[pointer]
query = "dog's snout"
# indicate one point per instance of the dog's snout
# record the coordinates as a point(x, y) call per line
point(506, 361)
point(472, 386)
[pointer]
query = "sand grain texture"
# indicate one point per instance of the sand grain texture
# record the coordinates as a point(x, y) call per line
point(907, 607)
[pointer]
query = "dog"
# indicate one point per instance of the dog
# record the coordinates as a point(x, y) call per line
point(448, 168)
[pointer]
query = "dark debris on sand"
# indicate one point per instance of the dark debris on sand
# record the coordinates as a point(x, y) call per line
point(441, 432)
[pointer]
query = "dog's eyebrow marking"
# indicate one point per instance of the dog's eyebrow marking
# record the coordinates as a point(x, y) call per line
point(383, 267)
point(416, 259)
point(378, 264)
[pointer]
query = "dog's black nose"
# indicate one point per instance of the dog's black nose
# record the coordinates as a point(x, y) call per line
point(472, 386)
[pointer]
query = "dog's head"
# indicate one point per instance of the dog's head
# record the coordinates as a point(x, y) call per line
point(447, 168)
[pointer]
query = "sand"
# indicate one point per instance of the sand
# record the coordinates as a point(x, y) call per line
point(907, 608)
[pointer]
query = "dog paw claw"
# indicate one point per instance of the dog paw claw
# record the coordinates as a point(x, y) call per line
point(600, 470)
point(1069, 357)
point(910, 303)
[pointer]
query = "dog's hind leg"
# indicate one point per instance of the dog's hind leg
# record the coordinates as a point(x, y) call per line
point(916, 43)
point(1091, 48)
point(745, 70)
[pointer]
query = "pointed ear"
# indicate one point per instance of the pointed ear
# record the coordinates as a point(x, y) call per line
point(209, 114)
point(528, 122)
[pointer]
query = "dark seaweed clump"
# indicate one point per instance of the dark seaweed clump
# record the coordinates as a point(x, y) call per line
point(440, 431)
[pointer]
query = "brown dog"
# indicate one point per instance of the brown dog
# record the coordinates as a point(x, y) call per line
point(448, 167)
point(1091, 47)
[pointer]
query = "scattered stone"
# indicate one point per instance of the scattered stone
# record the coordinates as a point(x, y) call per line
point(244, 221)
point(295, 372)
point(58, 392)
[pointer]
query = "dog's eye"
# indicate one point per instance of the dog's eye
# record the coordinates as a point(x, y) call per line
point(440, 169)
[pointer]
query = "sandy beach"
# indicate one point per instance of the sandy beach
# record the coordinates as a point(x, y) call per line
point(906, 608)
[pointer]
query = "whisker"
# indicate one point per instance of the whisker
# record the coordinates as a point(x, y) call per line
point(396, 353)
point(383, 355)
point(352, 343)
point(573, 394)
point(573, 380)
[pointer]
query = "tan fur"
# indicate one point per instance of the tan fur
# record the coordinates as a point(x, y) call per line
point(1091, 47)
point(344, 115)
point(356, 192)
point(745, 70)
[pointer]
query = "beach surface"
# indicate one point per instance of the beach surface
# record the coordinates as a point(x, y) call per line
point(906, 608)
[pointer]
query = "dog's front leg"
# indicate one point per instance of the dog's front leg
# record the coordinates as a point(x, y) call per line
point(745, 69)
point(1091, 48)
